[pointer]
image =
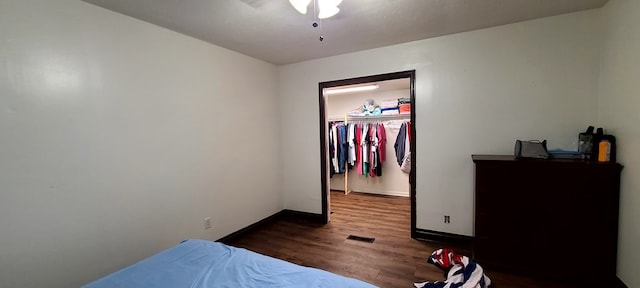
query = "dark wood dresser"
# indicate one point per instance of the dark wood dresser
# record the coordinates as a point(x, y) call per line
point(555, 219)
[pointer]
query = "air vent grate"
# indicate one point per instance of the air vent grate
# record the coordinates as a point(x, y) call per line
point(361, 239)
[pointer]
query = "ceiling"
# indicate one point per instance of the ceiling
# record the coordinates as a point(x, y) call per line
point(273, 31)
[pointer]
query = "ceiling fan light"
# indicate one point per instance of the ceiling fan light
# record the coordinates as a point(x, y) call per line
point(329, 2)
point(300, 5)
point(328, 8)
point(328, 11)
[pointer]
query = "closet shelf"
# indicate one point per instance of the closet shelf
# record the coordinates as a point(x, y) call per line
point(376, 117)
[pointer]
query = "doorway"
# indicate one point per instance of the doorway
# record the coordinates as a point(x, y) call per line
point(324, 137)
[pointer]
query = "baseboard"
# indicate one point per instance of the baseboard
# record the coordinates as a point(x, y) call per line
point(291, 214)
point(443, 237)
point(619, 284)
point(246, 230)
point(307, 216)
point(384, 193)
point(420, 234)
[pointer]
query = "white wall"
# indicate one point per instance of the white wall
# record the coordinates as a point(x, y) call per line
point(393, 181)
point(118, 137)
point(476, 93)
point(619, 112)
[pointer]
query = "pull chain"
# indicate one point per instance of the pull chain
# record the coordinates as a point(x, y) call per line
point(317, 22)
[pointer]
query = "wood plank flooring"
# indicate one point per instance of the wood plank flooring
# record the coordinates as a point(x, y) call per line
point(392, 260)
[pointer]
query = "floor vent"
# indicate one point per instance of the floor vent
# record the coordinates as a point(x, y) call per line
point(362, 239)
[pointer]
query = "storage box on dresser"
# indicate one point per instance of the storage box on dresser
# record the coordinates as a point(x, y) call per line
point(555, 219)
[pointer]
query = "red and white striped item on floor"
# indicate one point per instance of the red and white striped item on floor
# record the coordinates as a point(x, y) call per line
point(463, 273)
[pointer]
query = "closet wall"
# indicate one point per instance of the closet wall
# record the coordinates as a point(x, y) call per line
point(393, 181)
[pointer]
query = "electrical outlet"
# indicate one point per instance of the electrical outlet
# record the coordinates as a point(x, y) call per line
point(207, 223)
point(447, 219)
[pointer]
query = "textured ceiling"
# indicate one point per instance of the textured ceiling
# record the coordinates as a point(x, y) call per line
point(272, 30)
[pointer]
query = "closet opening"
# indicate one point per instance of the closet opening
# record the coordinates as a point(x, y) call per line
point(371, 121)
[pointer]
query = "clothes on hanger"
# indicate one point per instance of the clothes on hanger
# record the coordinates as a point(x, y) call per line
point(403, 142)
point(358, 145)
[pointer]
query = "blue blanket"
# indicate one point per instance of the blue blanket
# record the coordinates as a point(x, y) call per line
point(200, 263)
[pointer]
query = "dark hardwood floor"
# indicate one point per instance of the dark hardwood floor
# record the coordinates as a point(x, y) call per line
point(392, 260)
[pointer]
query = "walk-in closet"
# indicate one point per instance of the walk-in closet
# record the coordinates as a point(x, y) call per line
point(369, 137)
point(368, 132)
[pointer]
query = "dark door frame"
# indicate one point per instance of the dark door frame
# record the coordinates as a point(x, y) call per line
point(411, 74)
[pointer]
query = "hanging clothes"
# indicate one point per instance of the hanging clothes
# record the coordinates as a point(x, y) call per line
point(332, 151)
point(362, 145)
point(358, 148)
point(366, 149)
point(382, 139)
point(336, 142)
point(351, 140)
point(374, 149)
point(399, 146)
point(343, 148)
point(407, 143)
point(338, 147)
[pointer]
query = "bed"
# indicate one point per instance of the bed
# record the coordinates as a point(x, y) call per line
point(201, 263)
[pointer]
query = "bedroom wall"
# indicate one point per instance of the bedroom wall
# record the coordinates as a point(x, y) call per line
point(119, 138)
point(476, 93)
point(619, 112)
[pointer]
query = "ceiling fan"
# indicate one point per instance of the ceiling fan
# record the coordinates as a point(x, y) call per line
point(326, 8)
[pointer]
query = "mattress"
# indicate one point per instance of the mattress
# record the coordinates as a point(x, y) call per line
point(201, 263)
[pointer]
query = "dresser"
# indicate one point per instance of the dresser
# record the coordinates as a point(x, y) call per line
point(554, 219)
